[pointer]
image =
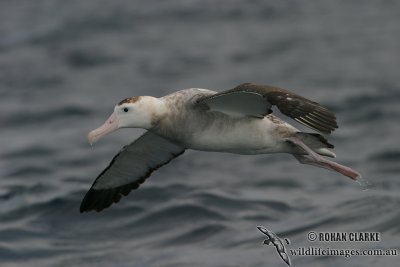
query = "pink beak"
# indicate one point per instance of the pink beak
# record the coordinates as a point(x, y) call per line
point(109, 126)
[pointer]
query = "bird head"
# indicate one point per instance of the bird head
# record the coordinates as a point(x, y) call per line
point(133, 112)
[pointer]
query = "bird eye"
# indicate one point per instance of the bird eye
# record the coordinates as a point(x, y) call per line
point(126, 109)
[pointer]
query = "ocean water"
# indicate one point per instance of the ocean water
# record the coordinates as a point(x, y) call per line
point(65, 64)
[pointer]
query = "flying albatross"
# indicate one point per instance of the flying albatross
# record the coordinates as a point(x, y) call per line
point(234, 121)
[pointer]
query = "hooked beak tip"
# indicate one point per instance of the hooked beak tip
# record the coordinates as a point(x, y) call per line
point(109, 126)
point(91, 138)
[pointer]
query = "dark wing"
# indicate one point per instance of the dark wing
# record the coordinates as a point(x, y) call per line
point(250, 99)
point(128, 169)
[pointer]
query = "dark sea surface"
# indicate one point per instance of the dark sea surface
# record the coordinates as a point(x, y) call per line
point(65, 64)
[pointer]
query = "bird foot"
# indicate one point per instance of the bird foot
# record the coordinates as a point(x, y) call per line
point(312, 158)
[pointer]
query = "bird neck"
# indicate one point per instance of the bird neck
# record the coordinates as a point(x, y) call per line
point(157, 109)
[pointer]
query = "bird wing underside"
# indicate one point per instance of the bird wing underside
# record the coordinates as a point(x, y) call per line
point(128, 169)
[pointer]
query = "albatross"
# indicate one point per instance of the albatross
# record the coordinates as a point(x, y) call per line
point(237, 121)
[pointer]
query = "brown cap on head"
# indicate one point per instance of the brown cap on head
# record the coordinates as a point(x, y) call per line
point(129, 100)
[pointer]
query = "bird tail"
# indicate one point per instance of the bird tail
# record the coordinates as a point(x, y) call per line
point(317, 142)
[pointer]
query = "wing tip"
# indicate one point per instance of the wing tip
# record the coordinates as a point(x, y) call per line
point(98, 200)
point(91, 202)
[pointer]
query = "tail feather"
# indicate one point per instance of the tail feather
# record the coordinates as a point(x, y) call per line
point(322, 139)
point(317, 142)
point(314, 138)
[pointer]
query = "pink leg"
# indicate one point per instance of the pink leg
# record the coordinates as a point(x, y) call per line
point(314, 159)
